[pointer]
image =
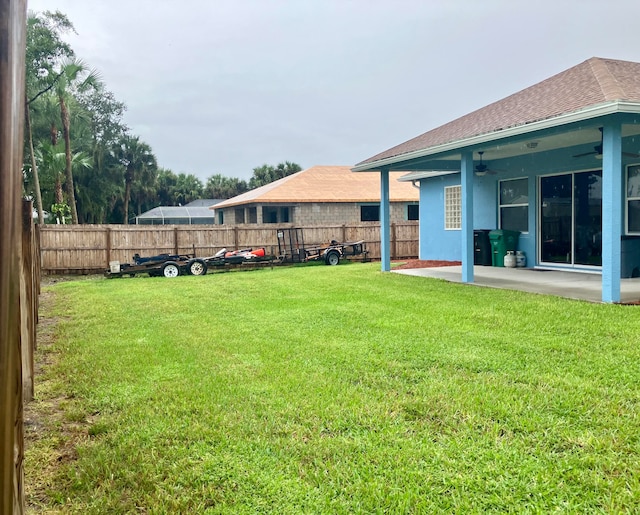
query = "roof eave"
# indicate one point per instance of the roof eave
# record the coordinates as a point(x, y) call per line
point(596, 111)
point(415, 176)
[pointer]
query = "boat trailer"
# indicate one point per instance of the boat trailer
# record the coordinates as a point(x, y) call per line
point(173, 265)
point(291, 249)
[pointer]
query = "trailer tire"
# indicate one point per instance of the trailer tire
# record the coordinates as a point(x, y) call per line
point(170, 269)
point(332, 258)
point(197, 267)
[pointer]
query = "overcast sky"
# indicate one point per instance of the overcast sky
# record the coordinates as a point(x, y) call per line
point(224, 86)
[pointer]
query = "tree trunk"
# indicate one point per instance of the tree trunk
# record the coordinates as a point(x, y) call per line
point(53, 134)
point(58, 190)
point(127, 194)
point(71, 196)
point(34, 167)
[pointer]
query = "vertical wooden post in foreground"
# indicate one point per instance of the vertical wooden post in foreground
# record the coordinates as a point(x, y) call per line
point(12, 87)
point(27, 304)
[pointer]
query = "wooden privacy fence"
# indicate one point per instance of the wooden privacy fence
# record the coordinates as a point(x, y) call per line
point(19, 258)
point(90, 248)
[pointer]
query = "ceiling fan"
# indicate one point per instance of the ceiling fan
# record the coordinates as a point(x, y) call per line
point(597, 150)
point(482, 169)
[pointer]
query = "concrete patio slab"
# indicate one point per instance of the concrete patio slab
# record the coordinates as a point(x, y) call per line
point(572, 285)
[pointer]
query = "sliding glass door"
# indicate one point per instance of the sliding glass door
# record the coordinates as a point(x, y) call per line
point(571, 219)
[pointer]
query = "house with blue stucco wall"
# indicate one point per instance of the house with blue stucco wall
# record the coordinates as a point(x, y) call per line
point(559, 162)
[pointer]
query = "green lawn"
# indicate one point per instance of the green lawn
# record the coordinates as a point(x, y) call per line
point(334, 390)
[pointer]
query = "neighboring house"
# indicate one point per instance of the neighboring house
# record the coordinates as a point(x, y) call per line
point(558, 161)
point(196, 212)
point(320, 195)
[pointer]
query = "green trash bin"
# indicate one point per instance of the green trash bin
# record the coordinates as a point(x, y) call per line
point(502, 241)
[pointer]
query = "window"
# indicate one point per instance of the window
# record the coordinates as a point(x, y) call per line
point(413, 212)
point(633, 199)
point(253, 215)
point(452, 207)
point(514, 205)
point(269, 215)
point(370, 213)
point(240, 215)
point(220, 217)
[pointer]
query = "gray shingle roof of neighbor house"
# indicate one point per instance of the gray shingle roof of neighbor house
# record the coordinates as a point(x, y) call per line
point(594, 82)
point(325, 184)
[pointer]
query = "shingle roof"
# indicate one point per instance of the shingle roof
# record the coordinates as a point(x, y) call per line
point(326, 184)
point(595, 81)
point(203, 202)
point(177, 212)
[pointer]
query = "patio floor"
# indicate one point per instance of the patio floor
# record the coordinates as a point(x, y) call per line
point(572, 285)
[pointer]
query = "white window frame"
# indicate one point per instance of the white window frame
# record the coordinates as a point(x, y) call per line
point(453, 208)
point(629, 198)
point(500, 206)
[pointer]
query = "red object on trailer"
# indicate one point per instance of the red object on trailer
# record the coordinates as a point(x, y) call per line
point(246, 253)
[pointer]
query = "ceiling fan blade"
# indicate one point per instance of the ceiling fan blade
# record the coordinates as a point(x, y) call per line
point(586, 154)
point(630, 154)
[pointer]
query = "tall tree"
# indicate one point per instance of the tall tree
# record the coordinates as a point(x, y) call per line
point(166, 181)
point(266, 173)
point(52, 162)
point(98, 189)
point(74, 76)
point(44, 50)
point(188, 188)
point(138, 161)
point(144, 191)
point(222, 187)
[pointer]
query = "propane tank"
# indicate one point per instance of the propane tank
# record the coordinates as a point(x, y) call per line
point(510, 259)
point(521, 259)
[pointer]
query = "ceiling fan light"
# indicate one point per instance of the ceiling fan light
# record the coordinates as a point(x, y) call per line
point(598, 156)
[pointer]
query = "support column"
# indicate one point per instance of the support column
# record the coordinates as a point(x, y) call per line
point(534, 244)
point(466, 181)
point(611, 210)
point(385, 228)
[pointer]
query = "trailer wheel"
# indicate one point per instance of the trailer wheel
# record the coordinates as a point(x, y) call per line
point(332, 258)
point(170, 269)
point(197, 267)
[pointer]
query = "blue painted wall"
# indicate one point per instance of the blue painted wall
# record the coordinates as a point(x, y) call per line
point(438, 243)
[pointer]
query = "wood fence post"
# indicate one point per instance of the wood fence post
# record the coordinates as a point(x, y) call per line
point(175, 241)
point(235, 237)
point(12, 87)
point(344, 233)
point(108, 245)
point(394, 246)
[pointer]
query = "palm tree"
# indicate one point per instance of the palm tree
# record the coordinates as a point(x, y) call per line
point(74, 76)
point(52, 162)
point(139, 161)
point(44, 49)
point(188, 188)
point(144, 190)
point(221, 187)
